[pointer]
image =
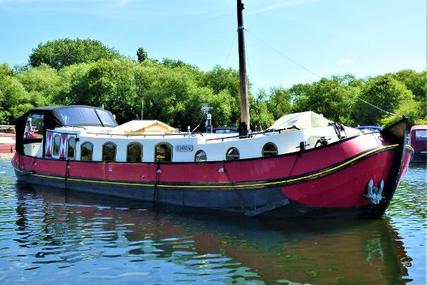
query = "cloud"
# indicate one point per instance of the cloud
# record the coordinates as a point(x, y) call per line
point(344, 61)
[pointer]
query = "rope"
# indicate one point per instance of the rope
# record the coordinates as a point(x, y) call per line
point(376, 107)
point(309, 70)
point(231, 49)
point(284, 55)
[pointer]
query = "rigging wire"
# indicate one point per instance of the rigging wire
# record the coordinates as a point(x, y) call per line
point(376, 107)
point(284, 55)
point(309, 70)
point(231, 49)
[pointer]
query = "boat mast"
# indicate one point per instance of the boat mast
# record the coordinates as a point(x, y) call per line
point(244, 96)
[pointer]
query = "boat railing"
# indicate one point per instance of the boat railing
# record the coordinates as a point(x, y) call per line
point(255, 134)
point(162, 135)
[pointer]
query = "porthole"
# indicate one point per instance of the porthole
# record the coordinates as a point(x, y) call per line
point(232, 154)
point(71, 148)
point(86, 151)
point(269, 149)
point(134, 152)
point(109, 152)
point(200, 156)
point(163, 152)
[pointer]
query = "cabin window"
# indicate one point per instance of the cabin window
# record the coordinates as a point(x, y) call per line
point(86, 151)
point(232, 154)
point(109, 152)
point(269, 149)
point(134, 152)
point(56, 143)
point(34, 127)
point(163, 153)
point(200, 156)
point(33, 134)
point(71, 148)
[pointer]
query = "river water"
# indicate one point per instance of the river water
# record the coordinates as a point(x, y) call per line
point(49, 237)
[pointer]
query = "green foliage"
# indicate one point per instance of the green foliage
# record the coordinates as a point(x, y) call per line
point(64, 52)
point(104, 83)
point(261, 117)
point(172, 95)
point(43, 79)
point(409, 108)
point(15, 100)
point(5, 70)
point(416, 82)
point(280, 102)
point(220, 79)
point(86, 72)
point(383, 91)
point(331, 97)
point(141, 54)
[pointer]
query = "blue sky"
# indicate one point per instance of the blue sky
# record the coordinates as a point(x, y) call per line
point(288, 41)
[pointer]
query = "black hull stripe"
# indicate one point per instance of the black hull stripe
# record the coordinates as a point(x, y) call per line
point(229, 186)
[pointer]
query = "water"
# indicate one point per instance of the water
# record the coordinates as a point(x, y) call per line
point(47, 237)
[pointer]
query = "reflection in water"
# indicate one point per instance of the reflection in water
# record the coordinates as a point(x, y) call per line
point(408, 213)
point(82, 239)
point(50, 236)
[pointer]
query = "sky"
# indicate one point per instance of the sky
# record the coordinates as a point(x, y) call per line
point(287, 41)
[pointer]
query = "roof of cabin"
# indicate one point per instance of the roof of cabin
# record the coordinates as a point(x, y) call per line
point(419, 127)
point(145, 126)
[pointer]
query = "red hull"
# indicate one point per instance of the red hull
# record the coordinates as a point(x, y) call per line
point(331, 177)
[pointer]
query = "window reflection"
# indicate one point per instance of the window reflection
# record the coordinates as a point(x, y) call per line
point(86, 151)
point(71, 148)
point(200, 156)
point(163, 153)
point(134, 152)
point(232, 154)
point(109, 152)
point(269, 149)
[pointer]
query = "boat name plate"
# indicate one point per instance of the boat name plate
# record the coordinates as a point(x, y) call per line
point(184, 148)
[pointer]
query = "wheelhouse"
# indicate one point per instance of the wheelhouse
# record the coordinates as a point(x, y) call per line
point(32, 129)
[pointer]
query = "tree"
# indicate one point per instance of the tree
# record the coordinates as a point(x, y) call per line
point(43, 79)
point(414, 81)
point(141, 54)
point(5, 70)
point(64, 52)
point(409, 108)
point(261, 116)
point(330, 97)
point(384, 92)
point(220, 79)
point(279, 102)
point(172, 95)
point(111, 84)
point(15, 100)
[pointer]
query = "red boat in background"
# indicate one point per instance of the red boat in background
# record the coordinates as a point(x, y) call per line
point(7, 139)
point(303, 165)
point(418, 141)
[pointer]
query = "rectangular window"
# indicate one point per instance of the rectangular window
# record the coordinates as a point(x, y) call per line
point(421, 135)
point(33, 135)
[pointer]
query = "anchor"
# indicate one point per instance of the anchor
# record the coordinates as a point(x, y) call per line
point(375, 193)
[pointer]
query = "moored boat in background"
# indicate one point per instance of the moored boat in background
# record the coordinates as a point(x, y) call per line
point(418, 141)
point(7, 139)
